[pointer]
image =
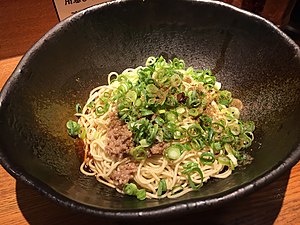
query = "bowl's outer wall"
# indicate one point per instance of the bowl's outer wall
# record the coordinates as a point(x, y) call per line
point(251, 59)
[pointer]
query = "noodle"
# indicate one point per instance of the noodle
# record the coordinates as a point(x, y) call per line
point(193, 126)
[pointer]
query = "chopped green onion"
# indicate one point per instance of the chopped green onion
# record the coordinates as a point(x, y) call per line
point(210, 135)
point(246, 141)
point(130, 189)
point(141, 194)
point(139, 153)
point(234, 112)
point(217, 127)
point(171, 101)
point(82, 133)
point(173, 152)
point(180, 110)
point(138, 102)
point(248, 126)
point(217, 85)
point(228, 148)
point(193, 112)
point(152, 132)
point(225, 97)
point(187, 146)
point(207, 72)
point(73, 128)
point(175, 80)
point(106, 94)
point(178, 63)
point(150, 61)
point(171, 116)
point(195, 130)
point(161, 111)
point(178, 134)
point(151, 88)
point(206, 122)
point(144, 143)
point(224, 160)
point(162, 187)
point(197, 144)
point(216, 146)
point(146, 112)
point(207, 158)
point(78, 108)
point(159, 121)
point(235, 129)
point(131, 96)
point(189, 168)
point(91, 104)
point(100, 110)
point(227, 138)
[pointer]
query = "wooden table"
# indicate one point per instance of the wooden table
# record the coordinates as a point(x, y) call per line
point(277, 203)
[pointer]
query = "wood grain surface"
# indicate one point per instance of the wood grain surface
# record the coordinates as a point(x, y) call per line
point(22, 23)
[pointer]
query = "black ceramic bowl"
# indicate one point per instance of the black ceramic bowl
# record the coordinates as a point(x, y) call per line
point(250, 56)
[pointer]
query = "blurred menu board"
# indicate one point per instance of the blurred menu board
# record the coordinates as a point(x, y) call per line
point(66, 8)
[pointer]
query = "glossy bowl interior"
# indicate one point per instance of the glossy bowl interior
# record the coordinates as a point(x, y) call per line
point(251, 57)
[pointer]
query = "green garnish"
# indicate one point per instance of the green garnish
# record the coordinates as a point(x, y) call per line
point(131, 189)
point(189, 169)
point(139, 153)
point(78, 108)
point(100, 110)
point(73, 128)
point(166, 104)
point(162, 187)
point(207, 158)
point(174, 151)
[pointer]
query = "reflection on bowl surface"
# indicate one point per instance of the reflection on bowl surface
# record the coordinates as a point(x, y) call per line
point(249, 56)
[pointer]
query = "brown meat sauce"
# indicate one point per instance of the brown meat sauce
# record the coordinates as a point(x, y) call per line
point(123, 173)
point(119, 137)
point(158, 148)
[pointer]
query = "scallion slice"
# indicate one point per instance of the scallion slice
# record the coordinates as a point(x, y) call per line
point(100, 110)
point(131, 96)
point(171, 116)
point(189, 169)
point(193, 112)
point(73, 128)
point(162, 187)
point(141, 194)
point(78, 108)
point(195, 130)
point(173, 152)
point(207, 158)
point(139, 153)
point(130, 189)
point(235, 129)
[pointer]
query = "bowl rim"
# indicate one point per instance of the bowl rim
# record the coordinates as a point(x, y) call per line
point(171, 209)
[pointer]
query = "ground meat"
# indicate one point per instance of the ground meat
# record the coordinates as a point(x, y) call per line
point(201, 88)
point(187, 79)
point(123, 173)
point(159, 148)
point(237, 104)
point(181, 98)
point(119, 137)
point(210, 110)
